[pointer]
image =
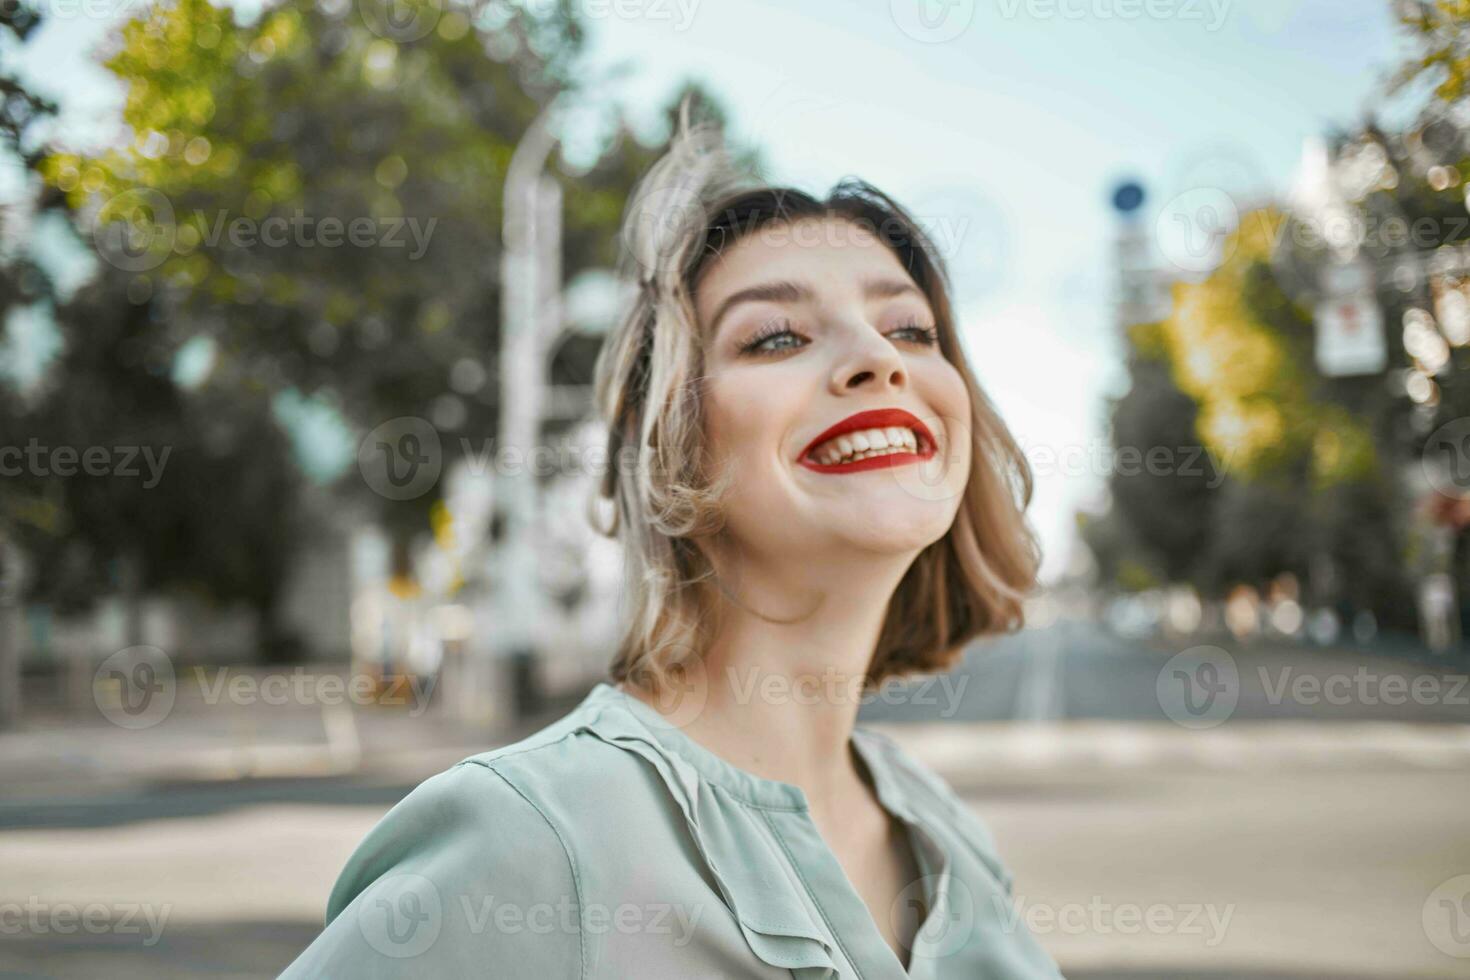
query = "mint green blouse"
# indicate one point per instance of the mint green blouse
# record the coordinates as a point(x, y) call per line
point(611, 844)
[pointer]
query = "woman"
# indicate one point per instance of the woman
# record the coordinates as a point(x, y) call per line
point(813, 496)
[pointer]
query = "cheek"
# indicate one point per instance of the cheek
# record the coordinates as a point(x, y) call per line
point(745, 418)
point(946, 393)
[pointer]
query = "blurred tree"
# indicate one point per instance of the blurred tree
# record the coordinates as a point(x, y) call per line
point(21, 283)
point(1291, 468)
point(1439, 31)
point(1168, 508)
point(136, 485)
point(1242, 350)
point(258, 148)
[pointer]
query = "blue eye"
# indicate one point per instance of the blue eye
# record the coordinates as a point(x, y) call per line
point(928, 336)
point(766, 339)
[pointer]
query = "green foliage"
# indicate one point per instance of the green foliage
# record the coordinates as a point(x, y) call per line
point(310, 118)
point(1440, 33)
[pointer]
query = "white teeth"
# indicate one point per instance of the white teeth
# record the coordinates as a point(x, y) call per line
point(854, 446)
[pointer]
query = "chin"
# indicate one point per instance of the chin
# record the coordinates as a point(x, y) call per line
point(911, 535)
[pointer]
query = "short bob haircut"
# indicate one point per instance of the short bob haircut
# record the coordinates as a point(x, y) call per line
point(693, 204)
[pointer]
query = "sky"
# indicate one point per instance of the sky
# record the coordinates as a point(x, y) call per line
point(1008, 126)
point(1003, 125)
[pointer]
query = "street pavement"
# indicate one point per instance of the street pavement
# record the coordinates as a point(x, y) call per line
point(1168, 811)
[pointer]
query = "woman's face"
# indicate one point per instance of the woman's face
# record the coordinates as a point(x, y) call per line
point(808, 328)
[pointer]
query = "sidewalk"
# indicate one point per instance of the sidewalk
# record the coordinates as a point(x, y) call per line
point(210, 737)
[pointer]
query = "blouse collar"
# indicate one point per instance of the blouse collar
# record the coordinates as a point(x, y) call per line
point(617, 705)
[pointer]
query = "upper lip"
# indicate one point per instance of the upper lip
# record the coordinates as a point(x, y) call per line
point(878, 418)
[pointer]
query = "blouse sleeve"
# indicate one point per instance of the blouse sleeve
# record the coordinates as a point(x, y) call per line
point(464, 877)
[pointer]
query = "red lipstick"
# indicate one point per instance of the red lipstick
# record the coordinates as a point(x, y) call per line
point(881, 418)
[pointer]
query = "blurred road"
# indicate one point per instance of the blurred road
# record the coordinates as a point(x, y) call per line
point(1284, 828)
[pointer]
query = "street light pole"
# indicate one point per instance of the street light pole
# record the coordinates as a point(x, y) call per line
point(530, 283)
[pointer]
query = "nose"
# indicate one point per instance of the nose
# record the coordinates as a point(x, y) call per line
point(868, 363)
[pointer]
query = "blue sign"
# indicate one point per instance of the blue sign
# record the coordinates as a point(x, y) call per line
point(1128, 197)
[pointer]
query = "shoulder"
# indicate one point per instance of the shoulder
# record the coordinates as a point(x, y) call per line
point(469, 816)
point(464, 867)
point(482, 859)
point(932, 795)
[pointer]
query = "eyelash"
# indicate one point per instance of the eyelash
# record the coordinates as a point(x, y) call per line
point(929, 336)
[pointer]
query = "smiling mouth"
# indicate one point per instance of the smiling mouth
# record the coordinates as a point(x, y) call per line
point(868, 441)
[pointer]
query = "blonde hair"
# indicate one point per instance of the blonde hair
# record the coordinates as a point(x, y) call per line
point(693, 204)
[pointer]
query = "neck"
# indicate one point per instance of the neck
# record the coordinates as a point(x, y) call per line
point(785, 670)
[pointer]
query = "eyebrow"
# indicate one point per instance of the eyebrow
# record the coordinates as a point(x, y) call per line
point(786, 291)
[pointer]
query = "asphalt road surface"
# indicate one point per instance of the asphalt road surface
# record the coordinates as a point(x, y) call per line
point(1168, 812)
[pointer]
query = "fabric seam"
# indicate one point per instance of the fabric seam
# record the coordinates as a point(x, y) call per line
point(812, 893)
point(566, 849)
